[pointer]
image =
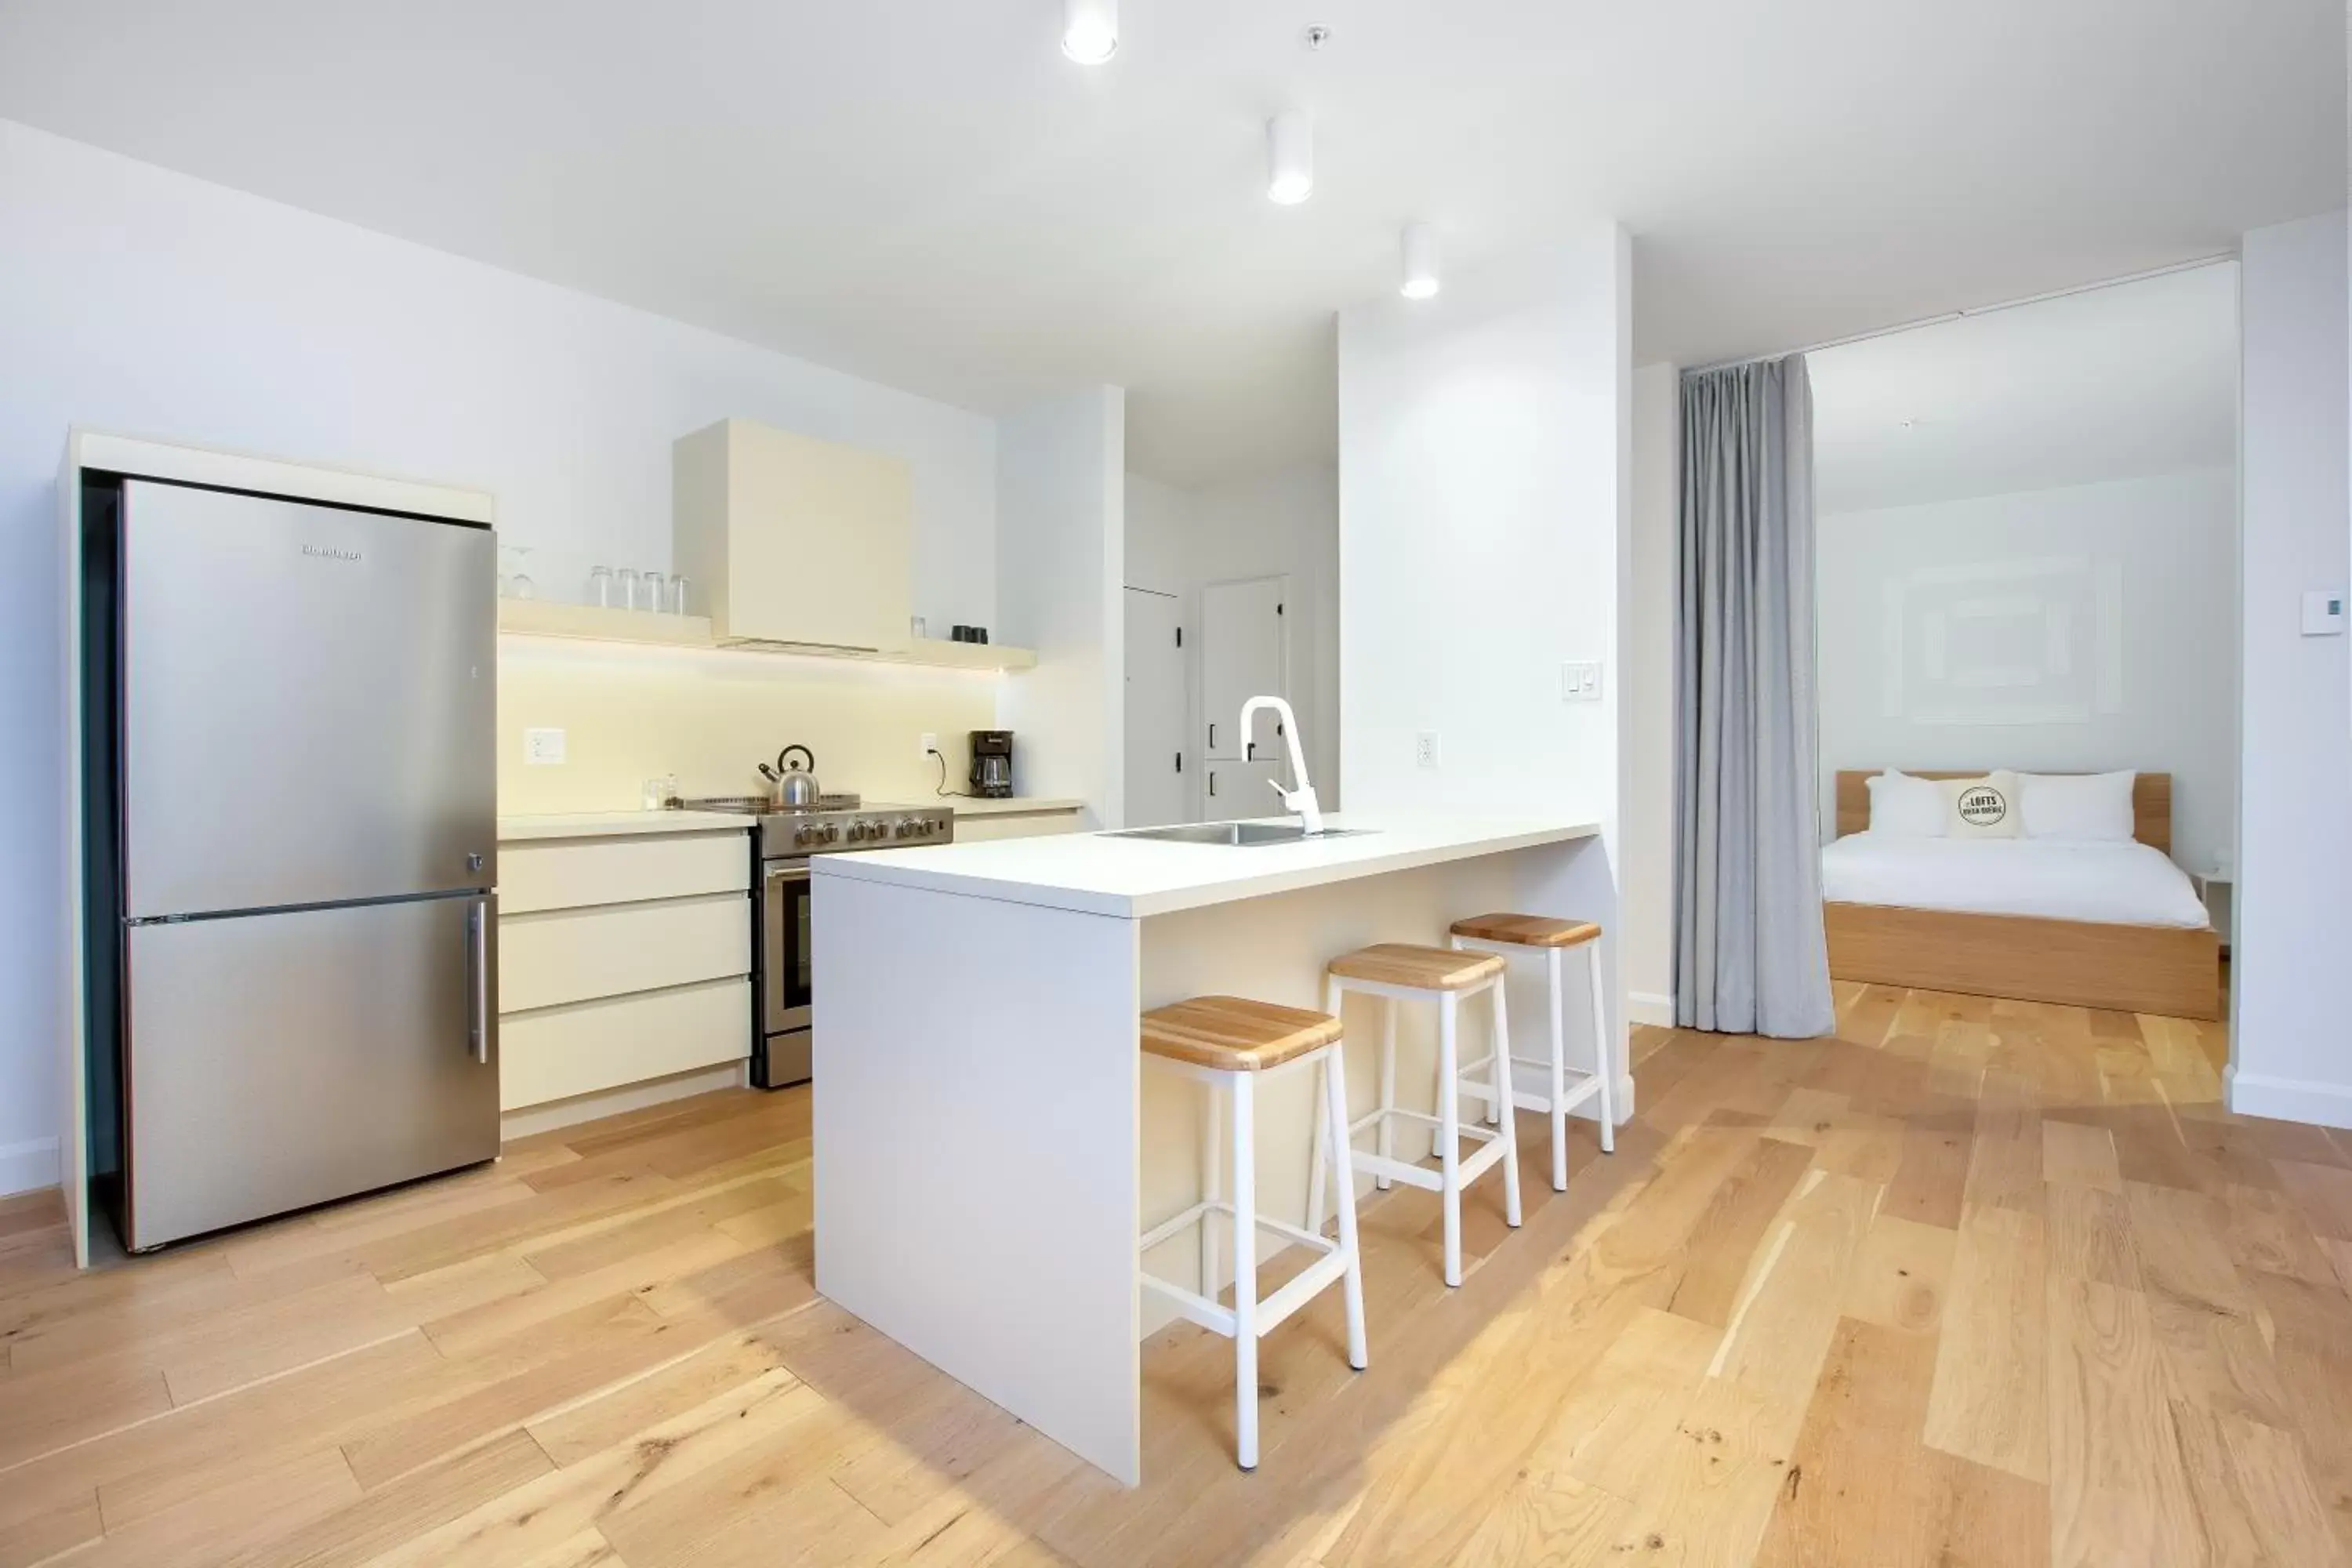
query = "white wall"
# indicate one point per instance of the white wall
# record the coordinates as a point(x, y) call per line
point(142, 302)
point(2292, 1050)
point(1061, 564)
point(2106, 614)
point(1646, 955)
point(1484, 521)
point(1284, 522)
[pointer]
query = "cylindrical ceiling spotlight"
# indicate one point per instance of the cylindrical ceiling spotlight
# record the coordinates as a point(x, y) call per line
point(1289, 158)
point(1418, 281)
point(1091, 30)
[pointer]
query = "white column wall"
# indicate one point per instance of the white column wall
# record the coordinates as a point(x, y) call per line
point(1061, 500)
point(1484, 437)
point(2292, 1053)
point(1646, 955)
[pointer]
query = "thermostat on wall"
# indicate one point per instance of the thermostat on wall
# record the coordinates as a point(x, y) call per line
point(2323, 614)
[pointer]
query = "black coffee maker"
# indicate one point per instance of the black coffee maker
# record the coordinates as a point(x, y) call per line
point(992, 763)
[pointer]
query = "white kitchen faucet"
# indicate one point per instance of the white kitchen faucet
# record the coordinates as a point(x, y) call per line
point(1302, 799)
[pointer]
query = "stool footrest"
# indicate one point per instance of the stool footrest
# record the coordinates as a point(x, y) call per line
point(1178, 1224)
point(1582, 1087)
point(1218, 1318)
point(1403, 1170)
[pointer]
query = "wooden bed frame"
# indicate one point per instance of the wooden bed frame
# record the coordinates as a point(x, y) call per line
point(2128, 968)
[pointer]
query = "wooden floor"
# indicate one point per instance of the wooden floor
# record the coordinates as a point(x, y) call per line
point(1974, 1283)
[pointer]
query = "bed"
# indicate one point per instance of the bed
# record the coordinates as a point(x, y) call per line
point(2107, 925)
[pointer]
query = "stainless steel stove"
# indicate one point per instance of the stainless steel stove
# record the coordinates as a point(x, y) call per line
point(782, 844)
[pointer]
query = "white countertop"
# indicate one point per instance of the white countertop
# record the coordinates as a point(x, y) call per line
point(969, 806)
point(1133, 878)
point(616, 824)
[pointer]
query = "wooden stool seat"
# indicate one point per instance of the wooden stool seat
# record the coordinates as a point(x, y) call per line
point(1417, 968)
point(1528, 930)
point(1233, 1033)
point(1564, 1088)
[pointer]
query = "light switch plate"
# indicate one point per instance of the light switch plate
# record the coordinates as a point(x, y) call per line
point(1424, 748)
point(2323, 614)
point(1580, 681)
point(542, 747)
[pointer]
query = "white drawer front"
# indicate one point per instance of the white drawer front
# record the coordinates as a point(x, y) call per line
point(566, 1051)
point(574, 873)
point(578, 956)
point(979, 829)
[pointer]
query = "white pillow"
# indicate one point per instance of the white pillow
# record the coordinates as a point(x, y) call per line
point(1982, 808)
point(2094, 807)
point(1904, 807)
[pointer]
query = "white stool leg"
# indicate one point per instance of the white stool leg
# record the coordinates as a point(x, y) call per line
point(1324, 1131)
point(1244, 1270)
point(1212, 1156)
point(1494, 1107)
point(1343, 1177)
point(1449, 1133)
point(1559, 1078)
point(1501, 1086)
point(1386, 1135)
point(1604, 1058)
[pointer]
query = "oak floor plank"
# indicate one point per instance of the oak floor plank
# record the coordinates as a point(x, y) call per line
point(1990, 1398)
point(2118, 1483)
point(2074, 1154)
point(1860, 1488)
point(1902, 1275)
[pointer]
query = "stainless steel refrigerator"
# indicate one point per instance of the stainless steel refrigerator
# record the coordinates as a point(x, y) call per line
point(299, 768)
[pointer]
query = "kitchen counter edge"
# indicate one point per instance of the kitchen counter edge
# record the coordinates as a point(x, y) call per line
point(616, 824)
point(1381, 849)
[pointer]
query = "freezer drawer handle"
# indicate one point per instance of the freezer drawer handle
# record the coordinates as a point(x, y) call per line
point(477, 967)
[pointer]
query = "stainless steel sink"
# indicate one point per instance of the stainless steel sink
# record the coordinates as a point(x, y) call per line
point(1234, 833)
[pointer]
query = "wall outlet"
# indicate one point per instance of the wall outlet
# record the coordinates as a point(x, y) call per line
point(931, 743)
point(1424, 748)
point(1580, 681)
point(542, 747)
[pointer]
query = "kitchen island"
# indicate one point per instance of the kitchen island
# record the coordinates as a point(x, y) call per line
point(990, 1142)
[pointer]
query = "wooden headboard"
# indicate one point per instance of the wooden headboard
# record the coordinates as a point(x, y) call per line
point(2151, 803)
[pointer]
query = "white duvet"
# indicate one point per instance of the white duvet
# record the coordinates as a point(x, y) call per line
point(2111, 884)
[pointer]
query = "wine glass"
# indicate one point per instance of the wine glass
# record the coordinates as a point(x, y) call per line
point(600, 586)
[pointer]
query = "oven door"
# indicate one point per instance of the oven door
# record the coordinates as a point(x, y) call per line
point(785, 964)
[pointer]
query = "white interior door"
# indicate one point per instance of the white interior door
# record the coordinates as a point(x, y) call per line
point(1156, 793)
point(1241, 656)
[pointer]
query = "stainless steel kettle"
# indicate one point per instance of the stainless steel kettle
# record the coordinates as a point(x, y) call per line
point(795, 783)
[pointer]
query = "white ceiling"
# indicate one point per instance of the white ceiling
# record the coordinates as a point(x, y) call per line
point(2110, 384)
point(926, 192)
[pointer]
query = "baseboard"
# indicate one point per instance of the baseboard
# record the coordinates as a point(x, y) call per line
point(1648, 1007)
point(27, 1165)
point(533, 1119)
point(2287, 1099)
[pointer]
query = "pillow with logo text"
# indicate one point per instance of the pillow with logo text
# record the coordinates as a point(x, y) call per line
point(1982, 808)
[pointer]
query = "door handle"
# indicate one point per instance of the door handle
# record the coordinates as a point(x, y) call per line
point(478, 977)
point(1213, 736)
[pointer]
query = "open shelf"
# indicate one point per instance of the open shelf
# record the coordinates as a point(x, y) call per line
point(590, 623)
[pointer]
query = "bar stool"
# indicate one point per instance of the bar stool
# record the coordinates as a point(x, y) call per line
point(1399, 972)
point(1226, 1042)
point(1505, 934)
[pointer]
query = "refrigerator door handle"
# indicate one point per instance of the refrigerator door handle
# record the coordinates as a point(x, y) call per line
point(477, 966)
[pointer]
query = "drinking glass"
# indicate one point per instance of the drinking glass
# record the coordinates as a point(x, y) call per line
point(655, 590)
point(600, 586)
point(625, 588)
point(518, 585)
point(678, 599)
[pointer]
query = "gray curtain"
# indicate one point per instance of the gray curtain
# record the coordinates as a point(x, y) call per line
point(1749, 955)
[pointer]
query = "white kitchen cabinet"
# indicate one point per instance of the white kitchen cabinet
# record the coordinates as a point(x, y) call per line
point(624, 963)
point(793, 540)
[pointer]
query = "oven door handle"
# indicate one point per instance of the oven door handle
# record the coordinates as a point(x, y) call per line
point(786, 874)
